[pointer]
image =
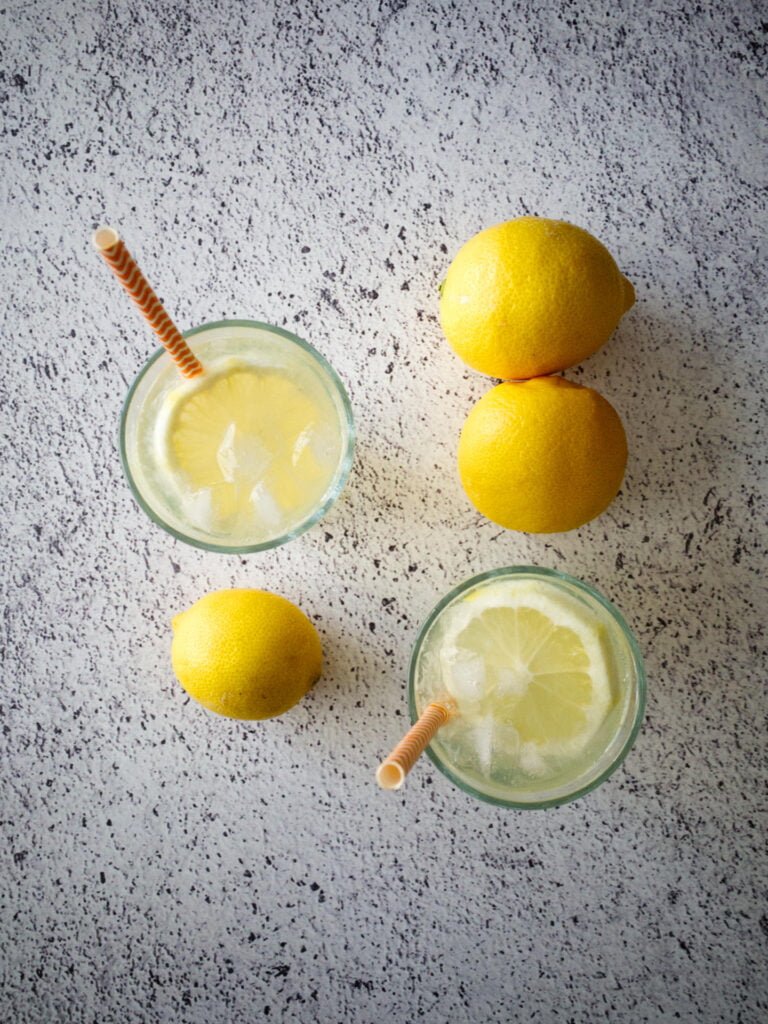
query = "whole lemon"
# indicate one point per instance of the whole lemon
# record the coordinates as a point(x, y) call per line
point(245, 653)
point(530, 297)
point(542, 455)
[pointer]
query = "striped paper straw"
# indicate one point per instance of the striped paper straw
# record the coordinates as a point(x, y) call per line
point(392, 771)
point(126, 270)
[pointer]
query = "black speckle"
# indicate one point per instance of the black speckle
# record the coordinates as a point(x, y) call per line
point(326, 296)
point(685, 947)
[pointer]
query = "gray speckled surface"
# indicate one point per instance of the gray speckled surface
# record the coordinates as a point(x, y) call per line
point(316, 167)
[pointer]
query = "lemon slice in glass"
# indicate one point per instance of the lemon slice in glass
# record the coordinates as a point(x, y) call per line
point(246, 442)
point(530, 664)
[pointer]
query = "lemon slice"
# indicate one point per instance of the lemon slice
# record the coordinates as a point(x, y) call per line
point(529, 663)
point(239, 437)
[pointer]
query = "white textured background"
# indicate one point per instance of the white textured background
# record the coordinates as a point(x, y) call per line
point(316, 166)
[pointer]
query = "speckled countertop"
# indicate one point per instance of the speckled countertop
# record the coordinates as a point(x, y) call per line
point(316, 166)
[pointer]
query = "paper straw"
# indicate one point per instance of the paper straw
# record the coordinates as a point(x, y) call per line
point(392, 771)
point(126, 270)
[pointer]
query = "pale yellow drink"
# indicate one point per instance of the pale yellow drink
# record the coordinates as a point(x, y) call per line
point(547, 681)
point(250, 453)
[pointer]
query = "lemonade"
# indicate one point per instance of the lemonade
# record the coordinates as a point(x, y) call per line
point(248, 454)
point(547, 681)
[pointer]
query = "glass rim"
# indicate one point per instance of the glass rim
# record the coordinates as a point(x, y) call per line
point(637, 660)
point(306, 524)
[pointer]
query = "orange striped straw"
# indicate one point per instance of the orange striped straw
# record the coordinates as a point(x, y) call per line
point(392, 771)
point(126, 270)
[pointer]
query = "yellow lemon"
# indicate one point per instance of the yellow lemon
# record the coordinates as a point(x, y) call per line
point(542, 455)
point(245, 653)
point(530, 297)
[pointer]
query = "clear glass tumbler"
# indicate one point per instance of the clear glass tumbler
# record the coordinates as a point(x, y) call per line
point(295, 375)
point(512, 784)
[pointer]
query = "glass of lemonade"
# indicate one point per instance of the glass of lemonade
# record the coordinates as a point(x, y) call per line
point(246, 456)
point(548, 683)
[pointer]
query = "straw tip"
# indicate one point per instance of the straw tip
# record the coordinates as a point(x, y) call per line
point(390, 775)
point(105, 238)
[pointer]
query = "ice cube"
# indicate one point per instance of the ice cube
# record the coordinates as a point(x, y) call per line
point(197, 509)
point(464, 674)
point(265, 506)
point(241, 455)
point(511, 682)
point(301, 442)
point(531, 760)
point(496, 746)
point(225, 454)
point(482, 745)
point(505, 749)
point(482, 741)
